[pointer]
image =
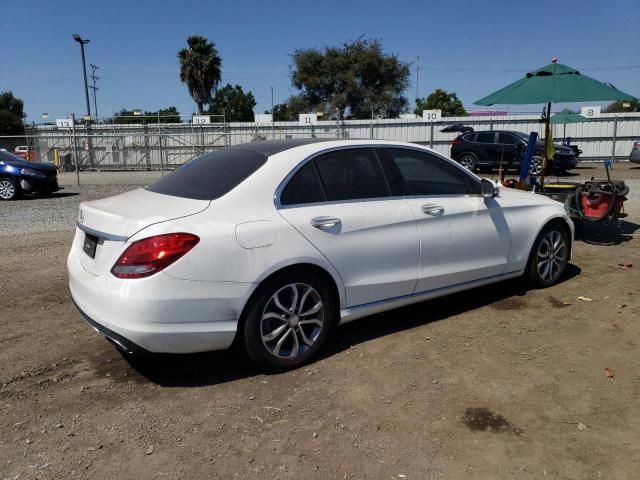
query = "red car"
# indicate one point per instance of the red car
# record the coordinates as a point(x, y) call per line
point(26, 152)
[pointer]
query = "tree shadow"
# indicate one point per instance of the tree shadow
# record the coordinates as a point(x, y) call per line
point(214, 368)
point(607, 233)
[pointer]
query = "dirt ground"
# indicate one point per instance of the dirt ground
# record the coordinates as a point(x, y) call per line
point(498, 382)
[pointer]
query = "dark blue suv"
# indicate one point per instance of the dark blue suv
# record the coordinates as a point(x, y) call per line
point(18, 176)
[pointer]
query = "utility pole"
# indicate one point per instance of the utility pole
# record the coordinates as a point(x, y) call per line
point(93, 87)
point(417, 76)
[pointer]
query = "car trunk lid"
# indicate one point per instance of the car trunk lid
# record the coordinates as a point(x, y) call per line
point(104, 226)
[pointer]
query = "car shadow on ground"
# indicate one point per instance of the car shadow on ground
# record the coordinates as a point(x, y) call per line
point(50, 196)
point(607, 233)
point(211, 368)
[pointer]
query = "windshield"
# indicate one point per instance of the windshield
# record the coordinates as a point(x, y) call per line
point(9, 157)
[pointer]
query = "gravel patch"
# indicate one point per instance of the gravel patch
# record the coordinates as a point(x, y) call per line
point(59, 211)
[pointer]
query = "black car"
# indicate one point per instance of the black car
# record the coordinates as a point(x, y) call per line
point(18, 176)
point(485, 150)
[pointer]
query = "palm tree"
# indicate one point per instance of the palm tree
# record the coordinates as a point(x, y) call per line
point(200, 69)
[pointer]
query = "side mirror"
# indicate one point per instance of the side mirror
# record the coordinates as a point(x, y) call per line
point(488, 189)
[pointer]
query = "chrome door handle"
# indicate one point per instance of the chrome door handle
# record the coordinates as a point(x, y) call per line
point(325, 222)
point(432, 209)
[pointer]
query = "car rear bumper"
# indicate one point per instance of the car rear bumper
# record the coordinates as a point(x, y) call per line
point(159, 314)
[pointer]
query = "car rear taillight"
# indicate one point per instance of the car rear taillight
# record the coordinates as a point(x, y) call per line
point(456, 141)
point(150, 255)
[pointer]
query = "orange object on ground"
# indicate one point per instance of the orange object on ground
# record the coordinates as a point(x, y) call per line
point(597, 205)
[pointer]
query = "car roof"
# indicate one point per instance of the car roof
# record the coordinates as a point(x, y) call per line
point(515, 132)
point(271, 147)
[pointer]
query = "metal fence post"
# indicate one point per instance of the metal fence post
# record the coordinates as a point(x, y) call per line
point(75, 147)
point(615, 134)
point(145, 132)
point(431, 135)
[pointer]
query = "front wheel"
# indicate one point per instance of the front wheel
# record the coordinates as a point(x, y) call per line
point(9, 189)
point(289, 320)
point(549, 256)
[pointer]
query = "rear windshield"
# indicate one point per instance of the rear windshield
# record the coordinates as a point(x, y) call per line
point(211, 175)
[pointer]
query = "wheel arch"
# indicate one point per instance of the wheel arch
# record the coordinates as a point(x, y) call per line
point(565, 223)
point(334, 283)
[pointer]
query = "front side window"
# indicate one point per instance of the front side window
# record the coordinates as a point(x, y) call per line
point(427, 174)
point(351, 174)
point(486, 137)
point(507, 139)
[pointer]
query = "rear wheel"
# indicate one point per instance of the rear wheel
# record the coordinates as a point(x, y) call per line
point(289, 320)
point(468, 160)
point(549, 256)
point(9, 189)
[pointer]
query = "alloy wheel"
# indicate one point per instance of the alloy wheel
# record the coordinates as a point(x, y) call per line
point(7, 189)
point(292, 320)
point(536, 166)
point(467, 162)
point(551, 256)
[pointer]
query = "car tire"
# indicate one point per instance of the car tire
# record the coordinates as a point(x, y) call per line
point(468, 160)
point(289, 320)
point(549, 256)
point(9, 189)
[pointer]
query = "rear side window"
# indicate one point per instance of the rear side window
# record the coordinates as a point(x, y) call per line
point(351, 174)
point(304, 187)
point(211, 175)
point(426, 174)
point(486, 137)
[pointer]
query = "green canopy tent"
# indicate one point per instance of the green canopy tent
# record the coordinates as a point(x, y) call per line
point(553, 83)
point(567, 116)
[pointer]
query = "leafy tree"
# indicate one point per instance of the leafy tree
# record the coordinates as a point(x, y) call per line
point(289, 111)
point(167, 115)
point(11, 114)
point(618, 107)
point(233, 103)
point(440, 99)
point(357, 78)
point(200, 69)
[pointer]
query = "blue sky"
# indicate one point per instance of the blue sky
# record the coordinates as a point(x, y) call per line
point(468, 47)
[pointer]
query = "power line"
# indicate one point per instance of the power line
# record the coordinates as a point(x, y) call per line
point(93, 87)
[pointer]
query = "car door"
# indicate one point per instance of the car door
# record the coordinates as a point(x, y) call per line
point(509, 144)
point(463, 236)
point(486, 148)
point(340, 201)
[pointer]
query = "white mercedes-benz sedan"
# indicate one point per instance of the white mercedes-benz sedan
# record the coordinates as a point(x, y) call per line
point(274, 243)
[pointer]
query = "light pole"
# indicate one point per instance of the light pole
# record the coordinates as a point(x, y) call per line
point(82, 43)
point(273, 118)
point(417, 76)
